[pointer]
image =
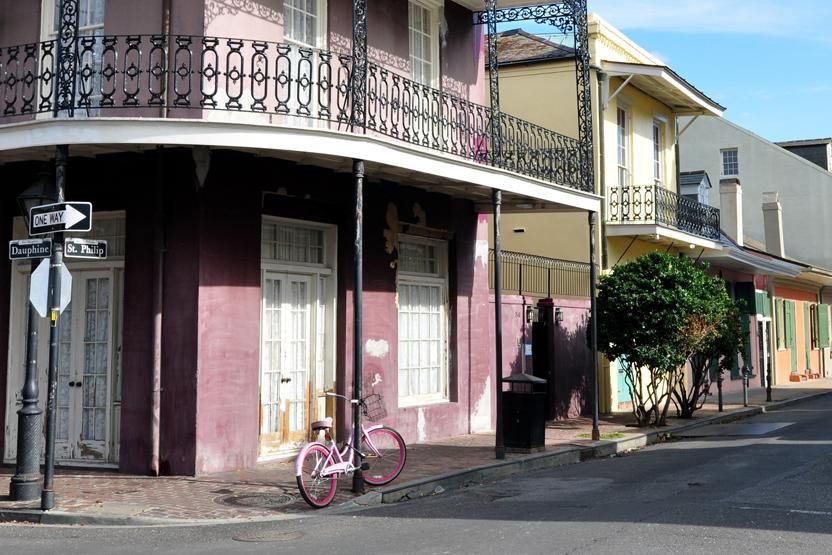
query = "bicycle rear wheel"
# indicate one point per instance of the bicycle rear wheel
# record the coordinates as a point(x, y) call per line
point(385, 454)
point(315, 489)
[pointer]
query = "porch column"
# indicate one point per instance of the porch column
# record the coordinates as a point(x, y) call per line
point(357, 307)
point(358, 82)
point(494, 82)
point(593, 311)
point(499, 447)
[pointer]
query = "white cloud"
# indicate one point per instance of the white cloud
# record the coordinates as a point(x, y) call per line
point(807, 18)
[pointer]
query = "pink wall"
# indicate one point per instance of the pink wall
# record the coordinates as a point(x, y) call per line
point(228, 336)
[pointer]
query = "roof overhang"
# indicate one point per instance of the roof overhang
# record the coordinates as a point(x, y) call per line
point(665, 85)
point(817, 276)
point(734, 257)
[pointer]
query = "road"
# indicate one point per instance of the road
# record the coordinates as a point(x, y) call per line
point(757, 494)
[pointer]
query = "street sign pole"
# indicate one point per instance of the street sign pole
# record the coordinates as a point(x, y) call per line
point(48, 494)
point(25, 484)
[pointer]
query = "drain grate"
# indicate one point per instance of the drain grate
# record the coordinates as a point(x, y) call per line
point(258, 500)
point(268, 536)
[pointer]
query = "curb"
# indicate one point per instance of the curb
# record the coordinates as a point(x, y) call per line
point(434, 485)
point(568, 455)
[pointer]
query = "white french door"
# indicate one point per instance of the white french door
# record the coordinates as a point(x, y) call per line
point(286, 360)
point(84, 369)
point(84, 401)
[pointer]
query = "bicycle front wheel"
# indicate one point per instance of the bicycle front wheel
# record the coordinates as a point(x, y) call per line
point(385, 454)
point(317, 490)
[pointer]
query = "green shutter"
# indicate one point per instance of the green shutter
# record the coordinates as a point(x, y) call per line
point(745, 291)
point(747, 359)
point(780, 329)
point(790, 324)
point(823, 325)
point(763, 304)
point(807, 330)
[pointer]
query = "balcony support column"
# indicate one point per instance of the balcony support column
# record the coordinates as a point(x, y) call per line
point(499, 445)
point(358, 80)
point(582, 64)
point(67, 57)
point(593, 331)
point(495, 129)
point(357, 308)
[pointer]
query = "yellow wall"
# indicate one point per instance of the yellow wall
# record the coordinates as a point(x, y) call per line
point(563, 235)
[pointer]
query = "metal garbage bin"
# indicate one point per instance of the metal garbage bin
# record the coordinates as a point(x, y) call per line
point(524, 413)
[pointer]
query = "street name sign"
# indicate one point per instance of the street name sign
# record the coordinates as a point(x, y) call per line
point(30, 248)
point(85, 248)
point(63, 216)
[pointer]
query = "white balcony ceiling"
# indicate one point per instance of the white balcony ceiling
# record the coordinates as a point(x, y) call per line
point(479, 5)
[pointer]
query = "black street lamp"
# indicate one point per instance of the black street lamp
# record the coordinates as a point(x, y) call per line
point(25, 484)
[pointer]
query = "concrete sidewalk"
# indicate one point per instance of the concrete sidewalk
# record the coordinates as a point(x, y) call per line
point(269, 492)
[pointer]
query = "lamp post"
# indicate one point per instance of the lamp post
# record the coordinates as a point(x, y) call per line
point(25, 484)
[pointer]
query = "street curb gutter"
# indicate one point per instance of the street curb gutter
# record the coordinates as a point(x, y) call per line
point(558, 457)
point(458, 479)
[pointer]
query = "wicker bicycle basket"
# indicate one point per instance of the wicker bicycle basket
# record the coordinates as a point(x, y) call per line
point(374, 407)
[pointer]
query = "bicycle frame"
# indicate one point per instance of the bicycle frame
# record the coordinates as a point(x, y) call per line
point(338, 461)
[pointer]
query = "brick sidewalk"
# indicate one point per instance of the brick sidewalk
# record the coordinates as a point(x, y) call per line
point(269, 490)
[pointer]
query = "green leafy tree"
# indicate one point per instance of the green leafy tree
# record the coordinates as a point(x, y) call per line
point(655, 313)
point(718, 353)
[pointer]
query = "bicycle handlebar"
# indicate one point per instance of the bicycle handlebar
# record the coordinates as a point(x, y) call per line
point(352, 401)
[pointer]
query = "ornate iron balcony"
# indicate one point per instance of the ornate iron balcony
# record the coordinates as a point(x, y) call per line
point(285, 84)
point(653, 204)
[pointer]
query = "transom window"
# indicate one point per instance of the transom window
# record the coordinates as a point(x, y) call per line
point(730, 162)
point(422, 345)
point(292, 243)
point(623, 139)
point(424, 45)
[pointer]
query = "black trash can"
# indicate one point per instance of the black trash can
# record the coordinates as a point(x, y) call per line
point(524, 413)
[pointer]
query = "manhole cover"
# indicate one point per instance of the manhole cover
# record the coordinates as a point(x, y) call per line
point(258, 501)
point(268, 536)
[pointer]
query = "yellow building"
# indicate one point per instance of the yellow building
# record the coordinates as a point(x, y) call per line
point(636, 103)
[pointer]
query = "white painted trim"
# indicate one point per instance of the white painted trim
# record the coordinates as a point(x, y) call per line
point(628, 230)
point(154, 131)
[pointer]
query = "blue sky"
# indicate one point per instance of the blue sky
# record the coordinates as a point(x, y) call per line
point(769, 62)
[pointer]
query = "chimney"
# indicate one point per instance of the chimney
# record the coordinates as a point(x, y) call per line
point(773, 223)
point(730, 208)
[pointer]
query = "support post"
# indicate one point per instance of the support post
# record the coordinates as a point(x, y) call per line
point(358, 83)
point(56, 262)
point(158, 308)
point(499, 446)
point(67, 66)
point(719, 388)
point(495, 129)
point(593, 331)
point(357, 307)
point(25, 484)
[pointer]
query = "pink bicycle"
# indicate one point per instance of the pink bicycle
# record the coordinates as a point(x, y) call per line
point(381, 456)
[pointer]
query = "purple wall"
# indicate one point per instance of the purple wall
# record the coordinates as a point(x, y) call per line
point(227, 413)
point(20, 22)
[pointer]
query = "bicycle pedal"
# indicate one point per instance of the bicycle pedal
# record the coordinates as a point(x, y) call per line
point(365, 466)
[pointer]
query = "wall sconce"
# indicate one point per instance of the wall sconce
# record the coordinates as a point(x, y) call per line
point(531, 314)
point(558, 316)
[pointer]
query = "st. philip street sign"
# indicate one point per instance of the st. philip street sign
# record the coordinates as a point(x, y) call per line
point(30, 248)
point(85, 248)
point(63, 216)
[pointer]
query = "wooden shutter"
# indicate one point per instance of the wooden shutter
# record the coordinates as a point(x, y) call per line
point(807, 331)
point(822, 312)
point(790, 324)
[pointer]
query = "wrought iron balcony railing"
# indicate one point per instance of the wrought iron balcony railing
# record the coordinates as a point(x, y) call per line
point(653, 204)
point(178, 76)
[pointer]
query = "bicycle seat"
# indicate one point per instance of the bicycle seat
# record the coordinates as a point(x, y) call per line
point(324, 424)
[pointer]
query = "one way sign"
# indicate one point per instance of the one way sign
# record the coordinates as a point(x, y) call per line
point(63, 216)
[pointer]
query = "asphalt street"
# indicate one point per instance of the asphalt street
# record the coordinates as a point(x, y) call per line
point(751, 492)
